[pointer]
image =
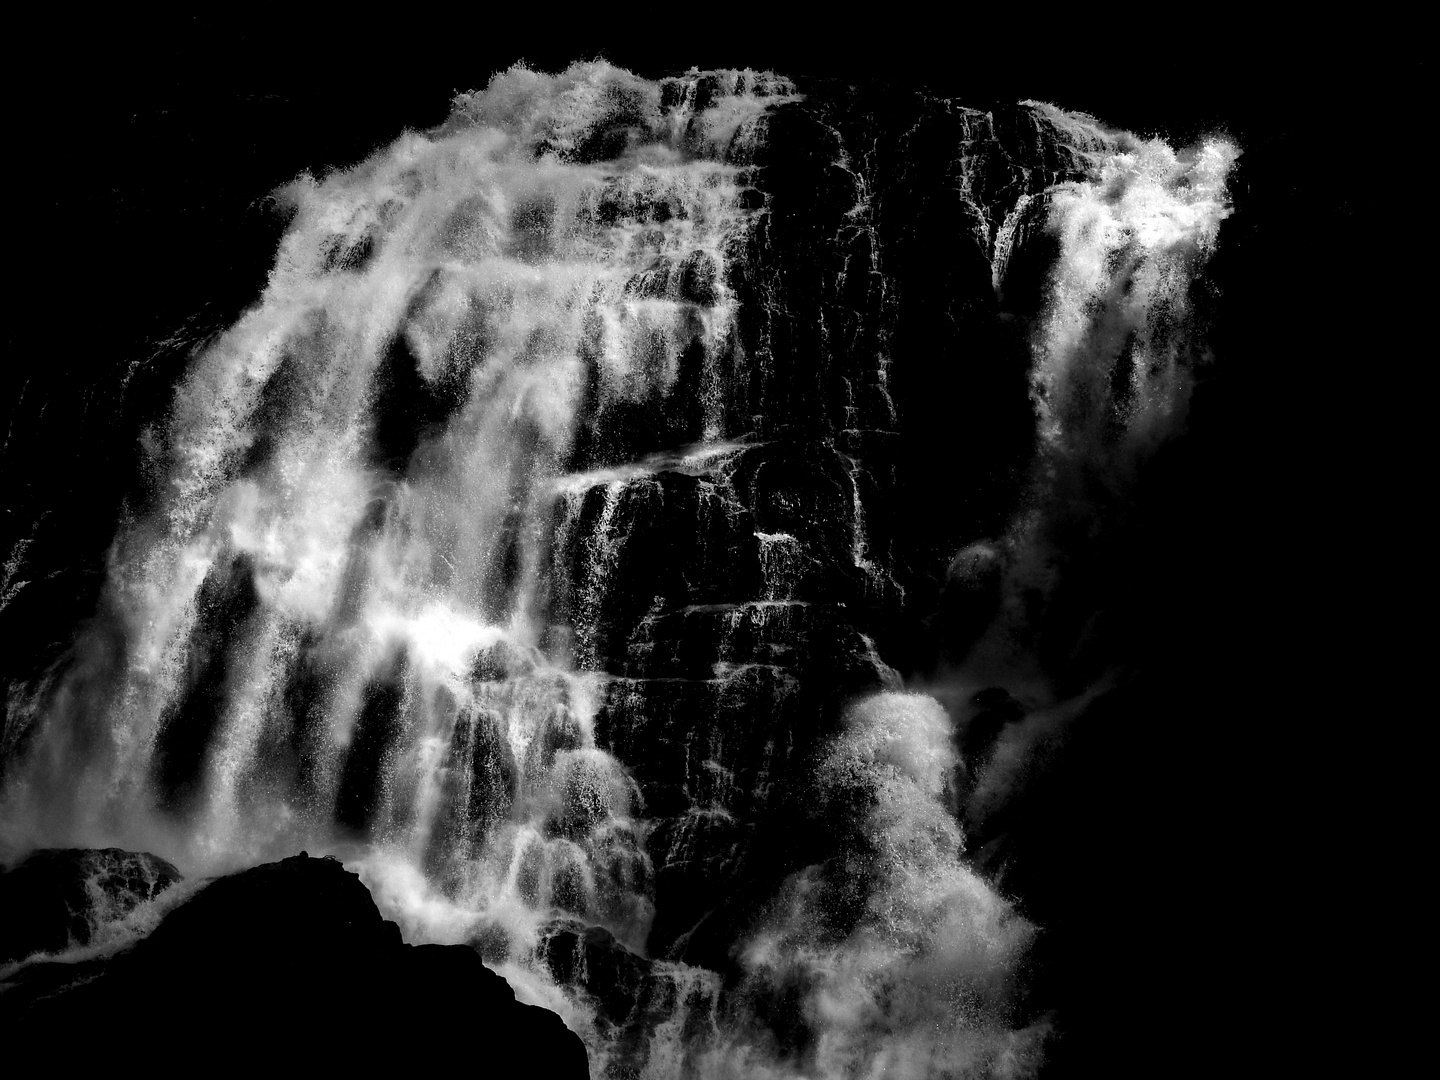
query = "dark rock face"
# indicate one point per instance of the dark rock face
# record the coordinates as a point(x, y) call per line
point(295, 956)
point(591, 958)
point(885, 297)
point(58, 897)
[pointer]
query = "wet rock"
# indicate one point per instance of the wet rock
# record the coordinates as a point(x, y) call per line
point(408, 406)
point(227, 601)
point(653, 282)
point(699, 277)
point(376, 731)
point(492, 941)
point(590, 957)
point(708, 90)
point(59, 897)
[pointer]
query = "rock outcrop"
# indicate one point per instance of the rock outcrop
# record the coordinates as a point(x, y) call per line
point(291, 965)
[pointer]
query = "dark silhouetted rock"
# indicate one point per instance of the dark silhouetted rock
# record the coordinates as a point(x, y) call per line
point(290, 965)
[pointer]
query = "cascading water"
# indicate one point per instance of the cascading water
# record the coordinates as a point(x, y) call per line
point(526, 542)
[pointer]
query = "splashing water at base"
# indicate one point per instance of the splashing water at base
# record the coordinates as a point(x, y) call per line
point(894, 959)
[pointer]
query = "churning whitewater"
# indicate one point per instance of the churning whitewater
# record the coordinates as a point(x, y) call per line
point(367, 608)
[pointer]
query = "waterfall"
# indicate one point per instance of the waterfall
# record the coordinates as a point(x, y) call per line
point(530, 546)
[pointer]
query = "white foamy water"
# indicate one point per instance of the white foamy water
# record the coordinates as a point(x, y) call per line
point(1114, 347)
point(502, 266)
point(913, 984)
point(1115, 356)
